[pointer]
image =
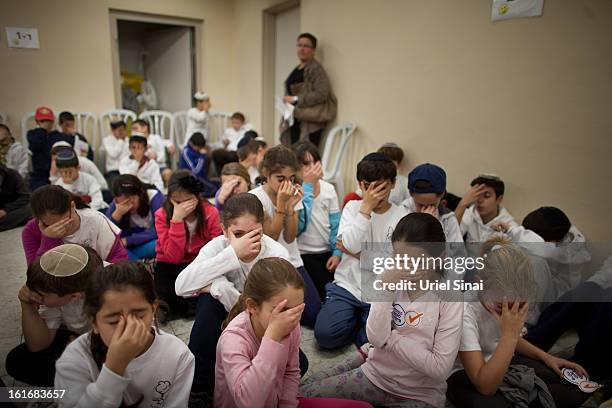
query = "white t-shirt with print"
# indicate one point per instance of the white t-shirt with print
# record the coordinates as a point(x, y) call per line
point(269, 210)
point(315, 239)
point(96, 231)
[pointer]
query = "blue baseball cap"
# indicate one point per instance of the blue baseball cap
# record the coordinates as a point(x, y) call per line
point(434, 175)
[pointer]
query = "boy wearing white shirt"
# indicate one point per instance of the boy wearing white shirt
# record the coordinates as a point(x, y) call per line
point(12, 154)
point(400, 191)
point(156, 147)
point(80, 184)
point(140, 165)
point(233, 134)
point(197, 117)
point(343, 316)
point(86, 166)
point(116, 148)
point(481, 208)
point(427, 184)
point(52, 311)
point(548, 233)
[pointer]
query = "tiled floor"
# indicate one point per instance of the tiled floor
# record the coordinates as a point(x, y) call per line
point(13, 272)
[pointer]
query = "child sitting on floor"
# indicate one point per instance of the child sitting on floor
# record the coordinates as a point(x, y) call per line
point(51, 311)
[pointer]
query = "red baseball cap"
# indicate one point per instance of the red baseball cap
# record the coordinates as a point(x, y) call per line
point(44, 113)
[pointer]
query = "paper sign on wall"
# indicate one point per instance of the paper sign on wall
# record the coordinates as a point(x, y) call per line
point(19, 37)
point(508, 9)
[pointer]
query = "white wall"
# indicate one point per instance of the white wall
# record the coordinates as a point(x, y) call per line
point(287, 27)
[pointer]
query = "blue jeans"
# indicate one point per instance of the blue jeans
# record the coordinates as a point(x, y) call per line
point(342, 319)
point(312, 300)
point(142, 251)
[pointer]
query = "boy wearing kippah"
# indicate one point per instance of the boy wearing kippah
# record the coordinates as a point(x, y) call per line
point(51, 311)
point(343, 316)
point(77, 182)
point(138, 164)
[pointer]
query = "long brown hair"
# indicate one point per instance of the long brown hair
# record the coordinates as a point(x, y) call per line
point(268, 277)
point(183, 180)
point(117, 276)
point(130, 185)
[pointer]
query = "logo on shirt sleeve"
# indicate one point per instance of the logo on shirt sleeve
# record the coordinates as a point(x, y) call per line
point(398, 315)
point(413, 318)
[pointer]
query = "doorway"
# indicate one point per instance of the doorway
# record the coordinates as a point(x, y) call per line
point(155, 62)
point(281, 28)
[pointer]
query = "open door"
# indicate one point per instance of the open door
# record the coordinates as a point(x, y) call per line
point(159, 49)
point(281, 28)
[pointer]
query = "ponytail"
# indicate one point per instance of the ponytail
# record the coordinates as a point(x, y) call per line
point(268, 277)
point(238, 308)
point(98, 349)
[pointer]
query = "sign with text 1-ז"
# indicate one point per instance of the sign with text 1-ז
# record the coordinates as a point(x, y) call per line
point(19, 37)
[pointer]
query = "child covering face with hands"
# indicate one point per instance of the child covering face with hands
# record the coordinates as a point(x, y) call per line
point(124, 358)
point(281, 198)
point(184, 224)
point(217, 277)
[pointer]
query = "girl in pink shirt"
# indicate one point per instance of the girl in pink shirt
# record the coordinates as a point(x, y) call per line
point(257, 354)
point(184, 224)
point(414, 334)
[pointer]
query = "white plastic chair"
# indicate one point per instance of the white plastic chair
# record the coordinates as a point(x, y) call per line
point(104, 121)
point(180, 127)
point(217, 124)
point(340, 136)
point(27, 123)
point(87, 125)
point(160, 122)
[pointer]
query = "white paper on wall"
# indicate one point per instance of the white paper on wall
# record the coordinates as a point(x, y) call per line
point(19, 37)
point(508, 9)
